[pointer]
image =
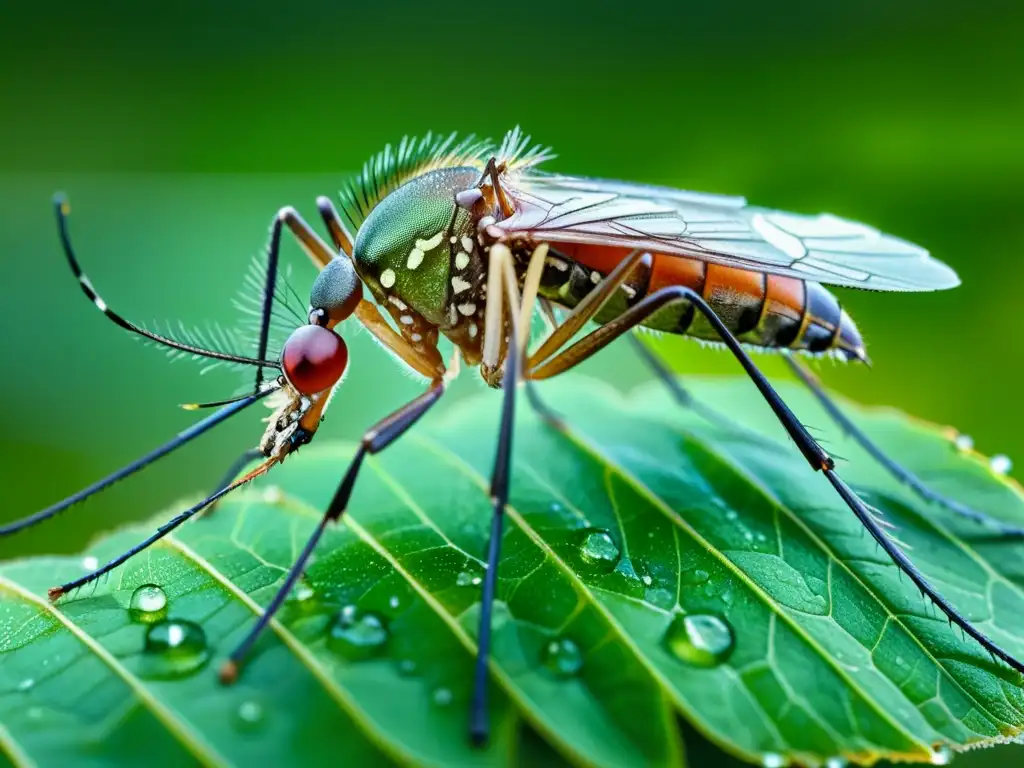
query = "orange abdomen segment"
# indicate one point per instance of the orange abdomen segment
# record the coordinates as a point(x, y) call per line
point(760, 309)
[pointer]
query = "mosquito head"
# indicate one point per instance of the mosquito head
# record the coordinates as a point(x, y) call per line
point(314, 357)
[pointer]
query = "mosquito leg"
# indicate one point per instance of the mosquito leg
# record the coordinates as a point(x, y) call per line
point(501, 281)
point(56, 592)
point(179, 440)
point(376, 439)
point(900, 473)
point(812, 452)
point(339, 234)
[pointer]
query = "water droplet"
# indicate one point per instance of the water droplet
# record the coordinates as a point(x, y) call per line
point(442, 697)
point(249, 715)
point(90, 563)
point(467, 579)
point(660, 598)
point(700, 640)
point(272, 494)
point(772, 760)
point(407, 668)
point(1000, 464)
point(696, 577)
point(357, 634)
point(964, 443)
point(26, 684)
point(598, 550)
point(394, 602)
point(148, 604)
point(302, 592)
point(941, 754)
point(562, 657)
point(174, 648)
point(836, 762)
point(556, 507)
point(731, 514)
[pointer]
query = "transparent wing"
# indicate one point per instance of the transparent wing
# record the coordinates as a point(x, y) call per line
point(721, 229)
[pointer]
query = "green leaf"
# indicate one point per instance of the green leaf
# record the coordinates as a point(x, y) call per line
point(654, 565)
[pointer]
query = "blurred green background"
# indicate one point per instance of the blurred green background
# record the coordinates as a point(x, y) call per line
point(179, 129)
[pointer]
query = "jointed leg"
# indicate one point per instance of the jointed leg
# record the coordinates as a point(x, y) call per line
point(501, 281)
point(179, 440)
point(815, 455)
point(56, 592)
point(900, 473)
point(376, 439)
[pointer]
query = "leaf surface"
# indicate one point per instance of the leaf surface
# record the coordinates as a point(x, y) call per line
point(654, 565)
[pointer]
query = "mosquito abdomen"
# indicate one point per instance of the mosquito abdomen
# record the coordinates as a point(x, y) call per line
point(760, 309)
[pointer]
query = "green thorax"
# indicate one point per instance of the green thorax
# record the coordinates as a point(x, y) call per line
point(403, 248)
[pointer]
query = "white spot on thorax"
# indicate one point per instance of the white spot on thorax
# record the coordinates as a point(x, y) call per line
point(467, 309)
point(415, 258)
point(459, 285)
point(595, 277)
point(406, 319)
point(398, 302)
point(461, 260)
point(467, 243)
point(387, 278)
point(473, 330)
point(431, 243)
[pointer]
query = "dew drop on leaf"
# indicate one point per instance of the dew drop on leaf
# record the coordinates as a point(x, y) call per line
point(660, 598)
point(394, 602)
point(442, 697)
point(836, 762)
point(148, 604)
point(467, 579)
point(695, 577)
point(26, 684)
point(963, 443)
point(407, 668)
point(357, 634)
point(700, 639)
point(562, 657)
point(772, 760)
point(598, 550)
point(90, 563)
point(249, 715)
point(174, 648)
point(1000, 464)
point(941, 755)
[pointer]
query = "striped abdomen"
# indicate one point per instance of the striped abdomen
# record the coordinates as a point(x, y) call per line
point(760, 309)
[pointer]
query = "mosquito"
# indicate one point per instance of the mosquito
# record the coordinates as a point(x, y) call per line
point(468, 239)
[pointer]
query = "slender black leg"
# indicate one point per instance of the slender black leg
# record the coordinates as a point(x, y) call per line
point(478, 720)
point(163, 530)
point(812, 452)
point(179, 440)
point(900, 473)
point(374, 440)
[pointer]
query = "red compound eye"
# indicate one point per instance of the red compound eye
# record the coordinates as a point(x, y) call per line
point(314, 359)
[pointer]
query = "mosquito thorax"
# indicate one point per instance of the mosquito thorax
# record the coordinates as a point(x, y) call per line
point(403, 250)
